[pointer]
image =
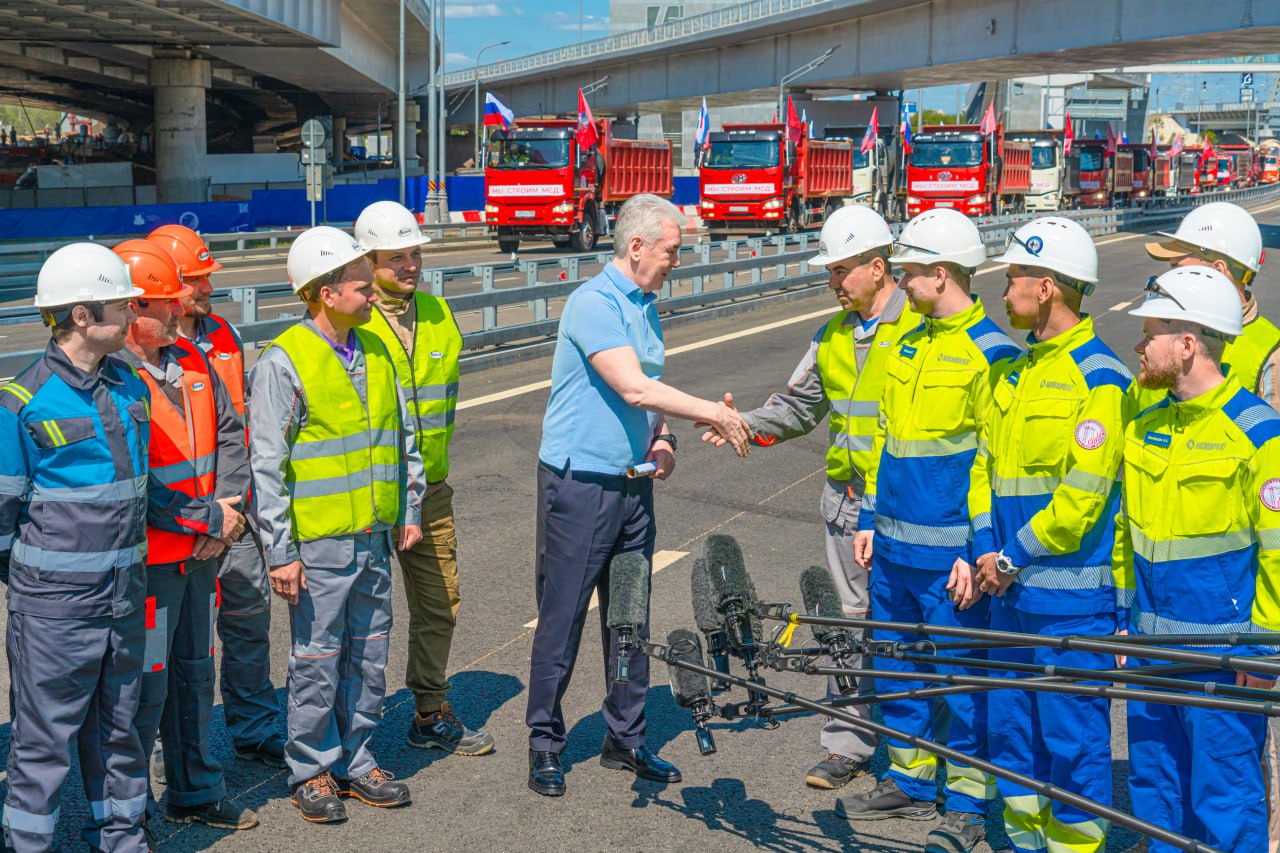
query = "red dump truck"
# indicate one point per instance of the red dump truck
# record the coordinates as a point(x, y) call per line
point(1096, 178)
point(1266, 161)
point(753, 180)
point(959, 167)
point(540, 184)
point(1240, 155)
point(1152, 176)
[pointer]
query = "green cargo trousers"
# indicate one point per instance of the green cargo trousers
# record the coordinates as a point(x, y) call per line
point(430, 571)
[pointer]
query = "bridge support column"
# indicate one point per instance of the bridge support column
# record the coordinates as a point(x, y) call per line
point(339, 139)
point(181, 140)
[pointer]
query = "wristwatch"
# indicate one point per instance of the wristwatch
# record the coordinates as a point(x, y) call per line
point(1005, 566)
point(667, 437)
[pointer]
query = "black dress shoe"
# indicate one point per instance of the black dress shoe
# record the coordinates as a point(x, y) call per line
point(641, 762)
point(546, 773)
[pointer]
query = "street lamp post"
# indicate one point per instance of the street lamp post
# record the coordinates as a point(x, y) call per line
point(400, 148)
point(476, 95)
point(800, 72)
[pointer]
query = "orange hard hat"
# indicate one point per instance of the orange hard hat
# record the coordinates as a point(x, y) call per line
point(153, 269)
point(193, 256)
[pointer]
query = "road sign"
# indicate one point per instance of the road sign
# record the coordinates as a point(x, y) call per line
point(910, 107)
point(313, 134)
point(313, 155)
point(1246, 80)
point(1246, 95)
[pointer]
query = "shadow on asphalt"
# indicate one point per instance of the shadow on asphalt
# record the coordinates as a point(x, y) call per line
point(1270, 236)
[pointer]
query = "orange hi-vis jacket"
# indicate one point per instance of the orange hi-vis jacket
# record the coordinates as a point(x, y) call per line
point(227, 360)
point(183, 450)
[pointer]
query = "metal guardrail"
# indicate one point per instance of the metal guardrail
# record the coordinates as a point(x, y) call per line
point(750, 257)
point(726, 17)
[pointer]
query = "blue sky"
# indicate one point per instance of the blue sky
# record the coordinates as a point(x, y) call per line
point(530, 26)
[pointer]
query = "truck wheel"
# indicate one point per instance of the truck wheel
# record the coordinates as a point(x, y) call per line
point(583, 238)
point(507, 245)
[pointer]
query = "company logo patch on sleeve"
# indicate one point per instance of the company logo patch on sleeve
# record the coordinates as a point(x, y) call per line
point(1270, 494)
point(1090, 434)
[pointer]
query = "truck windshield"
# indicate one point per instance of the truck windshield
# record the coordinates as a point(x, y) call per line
point(1141, 159)
point(936, 154)
point(1043, 157)
point(745, 154)
point(1091, 160)
point(527, 153)
point(860, 160)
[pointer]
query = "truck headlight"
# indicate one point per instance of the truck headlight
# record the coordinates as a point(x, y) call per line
point(773, 204)
point(708, 205)
point(912, 200)
point(975, 199)
point(564, 207)
point(490, 208)
point(1099, 195)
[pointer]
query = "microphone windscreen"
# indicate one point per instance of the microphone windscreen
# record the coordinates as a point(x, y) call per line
point(820, 599)
point(726, 568)
point(687, 687)
point(628, 590)
point(704, 608)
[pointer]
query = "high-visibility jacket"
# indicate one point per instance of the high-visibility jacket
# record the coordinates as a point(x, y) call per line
point(429, 378)
point(226, 359)
point(1050, 453)
point(183, 452)
point(73, 488)
point(935, 401)
point(852, 392)
point(1198, 531)
point(1243, 359)
point(343, 471)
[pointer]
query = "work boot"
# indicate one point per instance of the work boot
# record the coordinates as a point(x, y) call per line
point(442, 730)
point(270, 752)
point(317, 800)
point(376, 788)
point(959, 832)
point(836, 771)
point(223, 814)
point(884, 801)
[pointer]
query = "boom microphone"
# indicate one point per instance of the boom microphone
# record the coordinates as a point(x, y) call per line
point(628, 606)
point(735, 598)
point(690, 688)
point(821, 599)
point(709, 621)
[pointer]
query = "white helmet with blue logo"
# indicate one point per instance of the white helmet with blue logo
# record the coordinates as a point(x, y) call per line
point(1054, 243)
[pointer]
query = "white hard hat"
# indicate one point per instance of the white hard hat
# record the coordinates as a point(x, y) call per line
point(940, 235)
point(1054, 243)
point(849, 232)
point(1199, 295)
point(83, 272)
point(320, 250)
point(1218, 226)
point(388, 226)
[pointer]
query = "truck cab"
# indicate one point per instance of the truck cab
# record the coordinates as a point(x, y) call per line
point(948, 168)
point(1045, 193)
point(537, 181)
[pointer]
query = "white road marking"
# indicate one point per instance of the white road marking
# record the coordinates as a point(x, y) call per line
point(1118, 306)
point(661, 560)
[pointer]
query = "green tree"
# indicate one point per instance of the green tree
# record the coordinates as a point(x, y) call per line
point(1211, 137)
point(28, 120)
point(939, 117)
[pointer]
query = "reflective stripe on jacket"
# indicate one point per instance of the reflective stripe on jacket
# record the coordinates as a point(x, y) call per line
point(73, 488)
point(853, 393)
point(344, 468)
point(935, 401)
point(183, 452)
point(1198, 532)
point(430, 378)
point(1050, 455)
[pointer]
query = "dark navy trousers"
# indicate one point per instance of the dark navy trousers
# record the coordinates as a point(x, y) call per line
point(584, 521)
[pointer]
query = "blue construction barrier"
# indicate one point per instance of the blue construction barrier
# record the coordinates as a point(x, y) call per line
point(68, 222)
point(266, 209)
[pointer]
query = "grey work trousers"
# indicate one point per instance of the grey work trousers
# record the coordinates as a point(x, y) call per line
point(75, 681)
point(244, 627)
point(840, 508)
point(337, 669)
point(177, 679)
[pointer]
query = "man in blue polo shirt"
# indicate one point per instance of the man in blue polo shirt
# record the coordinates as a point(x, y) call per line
point(608, 411)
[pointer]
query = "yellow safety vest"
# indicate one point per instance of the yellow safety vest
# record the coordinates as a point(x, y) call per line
point(855, 394)
point(430, 380)
point(343, 472)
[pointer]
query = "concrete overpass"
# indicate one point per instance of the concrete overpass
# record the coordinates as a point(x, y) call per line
point(738, 54)
point(203, 73)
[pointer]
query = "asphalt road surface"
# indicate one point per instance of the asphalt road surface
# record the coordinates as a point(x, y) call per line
point(751, 794)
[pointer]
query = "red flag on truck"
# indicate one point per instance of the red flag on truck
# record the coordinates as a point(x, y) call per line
point(988, 126)
point(795, 130)
point(869, 138)
point(1111, 141)
point(586, 134)
point(1068, 136)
